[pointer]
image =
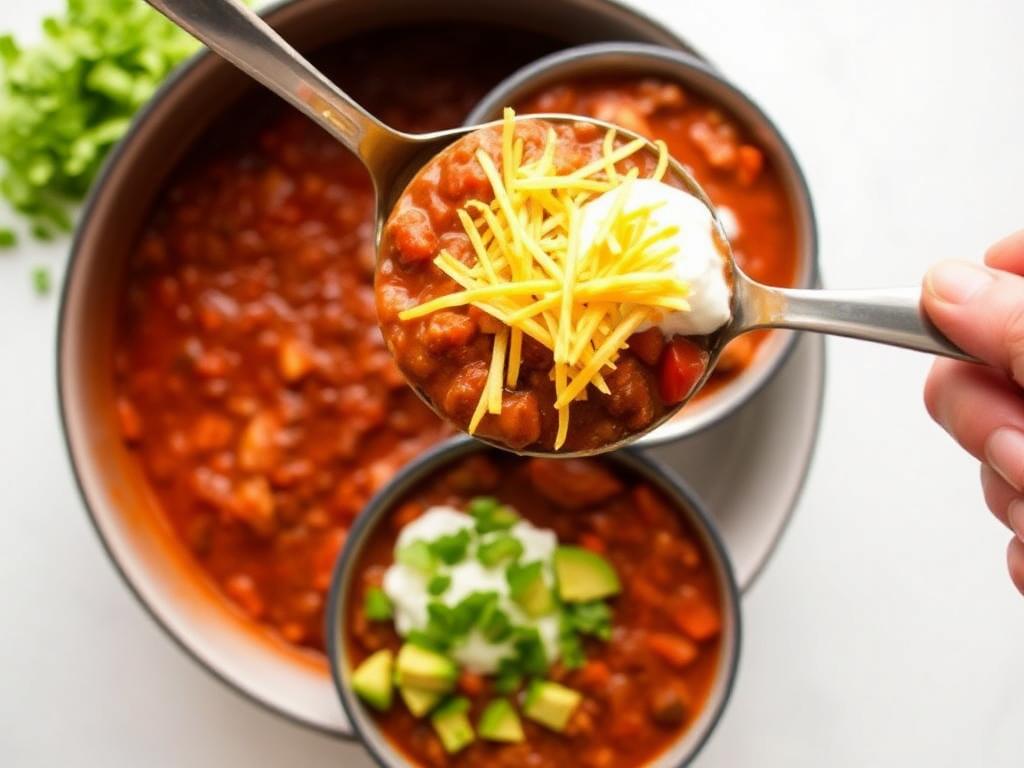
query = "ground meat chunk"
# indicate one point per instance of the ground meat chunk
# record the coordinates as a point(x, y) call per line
point(519, 420)
point(446, 331)
point(413, 235)
point(573, 483)
point(464, 392)
point(632, 396)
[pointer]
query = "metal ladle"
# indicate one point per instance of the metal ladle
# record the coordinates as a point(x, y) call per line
point(392, 157)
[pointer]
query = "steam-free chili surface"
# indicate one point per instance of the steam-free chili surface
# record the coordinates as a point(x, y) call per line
point(725, 160)
point(642, 688)
point(447, 353)
point(251, 378)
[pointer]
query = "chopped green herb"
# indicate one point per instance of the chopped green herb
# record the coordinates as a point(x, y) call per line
point(377, 605)
point(41, 280)
point(65, 101)
point(594, 618)
point(494, 624)
point(530, 655)
point(522, 577)
point(426, 638)
point(450, 548)
point(570, 648)
point(417, 555)
point(440, 621)
point(509, 676)
point(503, 547)
point(468, 612)
point(7, 238)
point(492, 515)
point(438, 584)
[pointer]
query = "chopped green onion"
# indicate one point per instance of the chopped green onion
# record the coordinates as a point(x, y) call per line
point(495, 624)
point(69, 98)
point(491, 515)
point(467, 613)
point(377, 605)
point(7, 238)
point(522, 577)
point(425, 638)
point(499, 549)
point(530, 653)
point(418, 556)
point(438, 584)
point(594, 618)
point(450, 548)
point(570, 648)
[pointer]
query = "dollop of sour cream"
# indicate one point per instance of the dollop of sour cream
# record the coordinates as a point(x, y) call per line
point(407, 587)
point(698, 261)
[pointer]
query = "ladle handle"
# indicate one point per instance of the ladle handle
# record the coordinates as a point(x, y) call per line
point(889, 316)
point(243, 38)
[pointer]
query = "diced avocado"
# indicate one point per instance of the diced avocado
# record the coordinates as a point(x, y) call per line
point(452, 724)
point(417, 667)
point(584, 575)
point(418, 701)
point(372, 680)
point(499, 722)
point(529, 590)
point(550, 704)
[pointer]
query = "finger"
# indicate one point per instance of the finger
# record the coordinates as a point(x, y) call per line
point(1008, 254)
point(979, 309)
point(999, 494)
point(1015, 562)
point(971, 402)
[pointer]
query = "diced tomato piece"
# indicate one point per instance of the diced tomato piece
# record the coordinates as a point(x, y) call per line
point(594, 674)
point(593, 542)
point(698, 619)
point(470, 683)
point(682, 365)
point(675, 650)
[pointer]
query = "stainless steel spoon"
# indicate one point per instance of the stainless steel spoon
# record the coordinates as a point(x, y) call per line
point(393, 157)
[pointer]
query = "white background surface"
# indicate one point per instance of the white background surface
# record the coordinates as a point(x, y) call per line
point(885, 631)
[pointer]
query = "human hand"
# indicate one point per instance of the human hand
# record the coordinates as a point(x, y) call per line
point(981, 309)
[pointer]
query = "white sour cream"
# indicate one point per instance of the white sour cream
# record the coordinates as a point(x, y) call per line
point(407, 587)
point(698, 261)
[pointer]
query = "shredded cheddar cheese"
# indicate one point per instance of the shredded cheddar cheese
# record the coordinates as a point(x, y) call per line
point(532, 273)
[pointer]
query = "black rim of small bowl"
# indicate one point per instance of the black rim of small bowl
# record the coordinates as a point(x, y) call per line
point(525, 80)
point(686, 502)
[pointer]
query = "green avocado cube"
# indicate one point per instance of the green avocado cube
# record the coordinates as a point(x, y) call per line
point(418, 667)
point(452, 725)
point(584, 575)
point(419, 702)
point(550, 704)
point(499, 722)
point(372, 680)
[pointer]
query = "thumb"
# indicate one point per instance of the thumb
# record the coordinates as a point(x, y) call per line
point(979, 309)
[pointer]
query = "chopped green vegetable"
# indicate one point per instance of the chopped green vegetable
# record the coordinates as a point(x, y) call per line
point(492, 515)
point(371, 680)
point(494, 624)
point(377, 605)
point(530, 655)
point(583, 575)
point(509, 677)
point(570, 649)
point(438, 584)
point(550, 704)
point(429, 639)
point(65, 101)
point(501, 548)
point(594, 618)
point(528, 588)
point(7, 238)
point(417, 555)
point(41, 280)
point(452, 725)
point(470, 609)
point(450, 548)
point(499, 722)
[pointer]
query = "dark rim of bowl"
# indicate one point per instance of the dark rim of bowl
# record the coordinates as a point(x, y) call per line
point(517, 82)
point(408, 477)
point(142, 117)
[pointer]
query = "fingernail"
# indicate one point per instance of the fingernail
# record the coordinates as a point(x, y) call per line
point(1004, 451)
point(1015, 517)
point(955, 282)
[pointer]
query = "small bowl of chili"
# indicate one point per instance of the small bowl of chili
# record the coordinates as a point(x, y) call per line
point(730, 146)
point(493, 609)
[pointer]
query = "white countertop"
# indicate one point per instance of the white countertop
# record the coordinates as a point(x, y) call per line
point(885, 632)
